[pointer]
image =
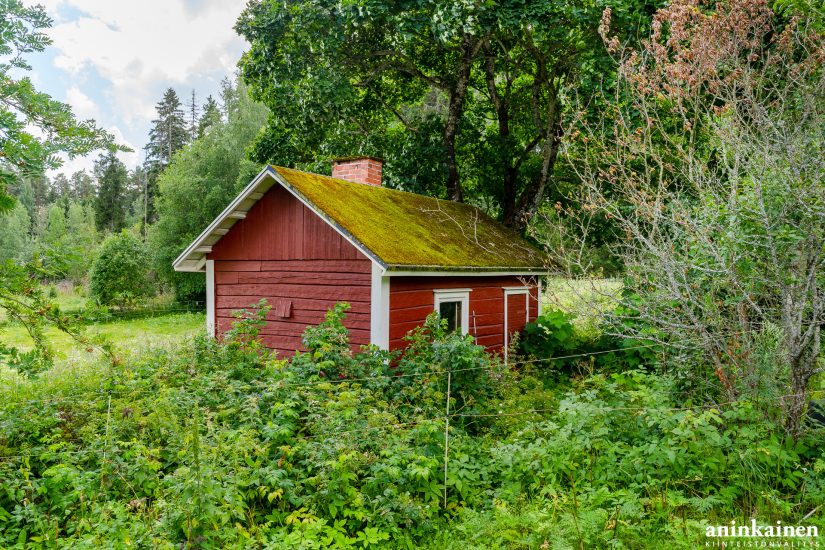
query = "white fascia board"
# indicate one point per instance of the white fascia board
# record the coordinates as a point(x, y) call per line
point(380, 308)
point(249, 190)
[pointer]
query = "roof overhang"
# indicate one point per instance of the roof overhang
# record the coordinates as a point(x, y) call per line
point(193, 259)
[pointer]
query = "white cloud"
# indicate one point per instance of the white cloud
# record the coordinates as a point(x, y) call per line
point(138, 47)
point(82, 105)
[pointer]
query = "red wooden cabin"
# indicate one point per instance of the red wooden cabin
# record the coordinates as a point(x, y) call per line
point(305, 242)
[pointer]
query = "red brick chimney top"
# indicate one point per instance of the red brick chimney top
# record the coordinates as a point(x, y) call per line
point(358, 169)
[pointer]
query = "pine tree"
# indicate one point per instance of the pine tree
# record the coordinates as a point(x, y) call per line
point(110, 209)
point(211, 115)
point(193, 112)
point(61, 188)
point(83, 186)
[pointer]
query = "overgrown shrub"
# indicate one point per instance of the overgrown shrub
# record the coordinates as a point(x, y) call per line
point(553, 341)
point(120, 273)
point(217, 444)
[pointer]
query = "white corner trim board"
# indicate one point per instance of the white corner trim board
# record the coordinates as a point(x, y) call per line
point(379, 307)
point(210, 297)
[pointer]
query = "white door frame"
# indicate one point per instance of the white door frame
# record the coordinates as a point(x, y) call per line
point(514, 291)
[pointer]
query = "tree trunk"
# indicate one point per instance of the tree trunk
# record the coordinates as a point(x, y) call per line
point(528, 201)
point(458, 92)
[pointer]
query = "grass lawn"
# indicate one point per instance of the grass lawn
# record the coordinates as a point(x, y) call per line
point(126, 335)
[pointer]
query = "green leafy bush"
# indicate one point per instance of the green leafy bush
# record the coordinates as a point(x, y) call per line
point(553, 340)
point(120, 273)
point(218, 444)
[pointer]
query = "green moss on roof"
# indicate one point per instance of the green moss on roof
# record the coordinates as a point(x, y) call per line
point(409, 231)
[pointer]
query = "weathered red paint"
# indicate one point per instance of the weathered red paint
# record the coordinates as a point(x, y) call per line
point(412, 299)
point(517, 305)
point(284, 252)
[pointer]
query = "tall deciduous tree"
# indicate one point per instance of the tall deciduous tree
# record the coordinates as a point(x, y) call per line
point(14, 227)
point(110, 207)
point(484, 81)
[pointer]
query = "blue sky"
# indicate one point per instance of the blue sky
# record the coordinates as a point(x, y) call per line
point(111, 60)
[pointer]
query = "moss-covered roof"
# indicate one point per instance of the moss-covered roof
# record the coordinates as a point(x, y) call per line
point(413, 232)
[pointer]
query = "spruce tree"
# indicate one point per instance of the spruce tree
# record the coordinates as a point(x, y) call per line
point(192, 114)
point(167, 136)
point(168, 132)
point(110, 209)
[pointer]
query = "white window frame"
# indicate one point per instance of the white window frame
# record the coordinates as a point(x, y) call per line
point(514, 291)
point(455, 295)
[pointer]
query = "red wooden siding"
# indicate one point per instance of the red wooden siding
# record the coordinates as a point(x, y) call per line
point(412, 299)
point(285, 253)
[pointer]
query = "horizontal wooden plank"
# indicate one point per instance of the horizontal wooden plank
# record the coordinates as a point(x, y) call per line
point(226, 277)
point(305, 304)
point(338, 294)
point(319, 265)
point(429, 283)
point(237, 265)
point(305, 278)
point(304, 319)
point(410, 314)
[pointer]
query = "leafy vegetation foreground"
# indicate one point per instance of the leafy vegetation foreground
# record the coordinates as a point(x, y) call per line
point(219, 444)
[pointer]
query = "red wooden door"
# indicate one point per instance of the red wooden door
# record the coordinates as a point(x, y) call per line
point(516, 314)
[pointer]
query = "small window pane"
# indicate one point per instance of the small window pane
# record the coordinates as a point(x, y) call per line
point(451, 311)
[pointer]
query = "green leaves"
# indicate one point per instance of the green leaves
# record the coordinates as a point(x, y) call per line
point(120, 273)
point(461, 99)
point(21, 106)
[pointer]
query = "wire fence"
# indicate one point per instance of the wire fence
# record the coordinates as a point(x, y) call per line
point(103, 395)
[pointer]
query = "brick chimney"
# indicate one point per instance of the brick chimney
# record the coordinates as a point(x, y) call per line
point(358, 169)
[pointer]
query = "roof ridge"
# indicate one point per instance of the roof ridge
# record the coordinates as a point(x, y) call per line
point(385, 188)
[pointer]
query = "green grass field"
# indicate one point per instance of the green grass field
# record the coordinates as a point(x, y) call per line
point(133, 334)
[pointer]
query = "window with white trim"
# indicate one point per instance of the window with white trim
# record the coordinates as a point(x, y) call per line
point(454, 306)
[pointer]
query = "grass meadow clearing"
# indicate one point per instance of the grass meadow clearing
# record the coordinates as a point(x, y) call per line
point(131, 334)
